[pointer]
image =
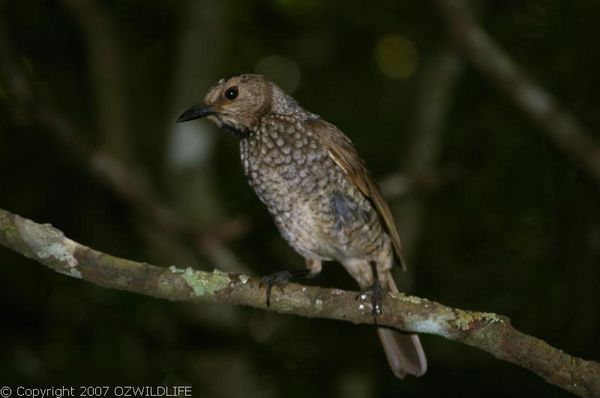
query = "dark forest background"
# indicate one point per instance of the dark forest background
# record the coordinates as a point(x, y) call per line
point(494, 215)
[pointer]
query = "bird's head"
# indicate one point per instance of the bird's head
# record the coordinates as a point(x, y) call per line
point(236, 103)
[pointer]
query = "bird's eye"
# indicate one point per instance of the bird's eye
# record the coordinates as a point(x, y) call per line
point(231, 93)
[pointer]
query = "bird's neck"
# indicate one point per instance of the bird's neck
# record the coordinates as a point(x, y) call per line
point(273, 125)
point(238, 132)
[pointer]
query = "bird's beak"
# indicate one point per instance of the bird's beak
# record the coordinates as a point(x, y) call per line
point(196, 112)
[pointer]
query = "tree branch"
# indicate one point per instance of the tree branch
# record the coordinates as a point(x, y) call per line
point(557, 123)
point(486, 331)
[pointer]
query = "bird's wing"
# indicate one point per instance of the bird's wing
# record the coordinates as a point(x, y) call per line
point(342, 152)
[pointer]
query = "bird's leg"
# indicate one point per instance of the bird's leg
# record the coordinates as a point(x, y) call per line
point(375, 291)
point(282, 278)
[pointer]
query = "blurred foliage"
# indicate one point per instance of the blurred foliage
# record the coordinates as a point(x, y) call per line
point(517, 233)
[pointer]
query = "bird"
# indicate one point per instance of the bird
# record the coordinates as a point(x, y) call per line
point(318, 190)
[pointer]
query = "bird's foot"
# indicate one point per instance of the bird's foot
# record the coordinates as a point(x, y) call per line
point(376, 292)
point(280, 279)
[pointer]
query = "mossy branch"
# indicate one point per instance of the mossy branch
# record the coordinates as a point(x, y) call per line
point(486, 331)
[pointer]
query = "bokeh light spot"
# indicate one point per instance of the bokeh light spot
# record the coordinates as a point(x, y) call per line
point(396, 56)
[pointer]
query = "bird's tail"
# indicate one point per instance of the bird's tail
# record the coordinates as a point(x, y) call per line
point(403, 350)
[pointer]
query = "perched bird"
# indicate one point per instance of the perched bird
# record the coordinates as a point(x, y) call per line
point(317, 189)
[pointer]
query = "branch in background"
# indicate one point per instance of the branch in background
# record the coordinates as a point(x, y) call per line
point(395, 186)
point(190, 166)
point(125, 182)
point(437, 83)
point(558, 124)
point(106, 71)
point(486, 331)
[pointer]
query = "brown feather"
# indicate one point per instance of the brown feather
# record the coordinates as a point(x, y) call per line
point(342, 152)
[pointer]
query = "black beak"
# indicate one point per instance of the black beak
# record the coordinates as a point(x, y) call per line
point(195, 112)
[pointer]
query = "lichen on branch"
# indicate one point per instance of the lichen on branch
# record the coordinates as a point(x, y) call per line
point(486, 331)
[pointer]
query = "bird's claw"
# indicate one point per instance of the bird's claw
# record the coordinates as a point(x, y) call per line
point(376, 292)
point(281, 279)
point(278, 279)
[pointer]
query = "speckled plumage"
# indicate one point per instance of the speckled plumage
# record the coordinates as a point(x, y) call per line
point(316, 208)
point(317, 189)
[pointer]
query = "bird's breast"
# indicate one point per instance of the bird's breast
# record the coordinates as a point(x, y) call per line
point(285, 167)
point(315, 206)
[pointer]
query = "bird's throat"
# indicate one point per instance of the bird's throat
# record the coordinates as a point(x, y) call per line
point(236, 131)
point(230, 128)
